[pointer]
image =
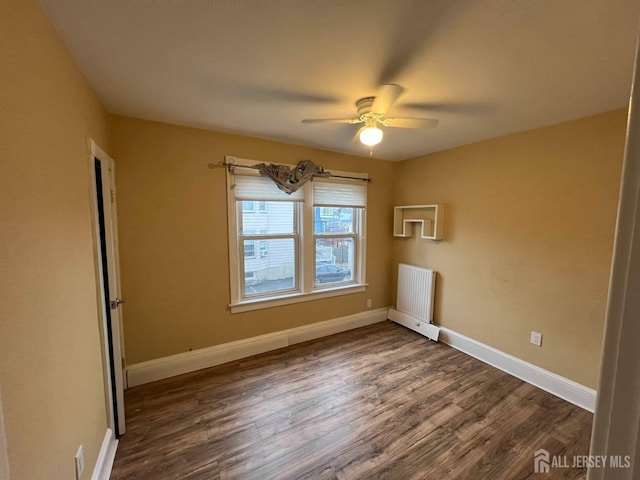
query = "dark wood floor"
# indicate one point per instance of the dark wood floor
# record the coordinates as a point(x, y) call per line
point(379, 402)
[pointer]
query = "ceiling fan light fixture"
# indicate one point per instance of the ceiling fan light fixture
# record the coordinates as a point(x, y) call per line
point(372, 111)
point(371, 135)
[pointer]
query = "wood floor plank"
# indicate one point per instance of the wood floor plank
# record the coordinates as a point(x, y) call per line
point(377, 402)
point(310, 454)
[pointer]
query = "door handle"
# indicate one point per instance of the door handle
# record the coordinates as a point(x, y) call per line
point(116, 303)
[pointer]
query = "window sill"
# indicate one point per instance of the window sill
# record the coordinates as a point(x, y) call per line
point(258, 304)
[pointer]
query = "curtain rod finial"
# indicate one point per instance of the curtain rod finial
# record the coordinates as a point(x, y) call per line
point(220, 164)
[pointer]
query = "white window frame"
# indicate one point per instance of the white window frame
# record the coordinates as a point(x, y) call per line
point(263, 248)
point(260, 247)
point(307, 290)
point(355, 236)
point(326, 211)
point(259, 240)
point(256, 206)
point(245, 250)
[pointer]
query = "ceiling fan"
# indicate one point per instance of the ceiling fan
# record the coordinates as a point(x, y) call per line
point(372, 111)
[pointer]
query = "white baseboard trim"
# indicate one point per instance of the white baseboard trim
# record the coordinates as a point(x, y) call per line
point(427, 329)
point(557, 385)
point(166, 367)
point(107, 455)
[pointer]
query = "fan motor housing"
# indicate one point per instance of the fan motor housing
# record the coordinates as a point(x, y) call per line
point(364, 105)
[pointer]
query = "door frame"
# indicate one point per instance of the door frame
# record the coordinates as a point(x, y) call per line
point(616, 426)
point(115, 379)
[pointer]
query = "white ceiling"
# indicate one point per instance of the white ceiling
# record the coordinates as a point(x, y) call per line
point(484, 68)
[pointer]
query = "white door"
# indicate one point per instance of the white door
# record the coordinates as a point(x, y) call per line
point(103, 168)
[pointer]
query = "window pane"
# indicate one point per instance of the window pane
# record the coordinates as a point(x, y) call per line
point(268, 218)
point(271, 268)
point(333, 220)
point(334, 260)
point(249, 249)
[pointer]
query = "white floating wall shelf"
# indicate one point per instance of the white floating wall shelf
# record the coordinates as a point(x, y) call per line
point(430, 218)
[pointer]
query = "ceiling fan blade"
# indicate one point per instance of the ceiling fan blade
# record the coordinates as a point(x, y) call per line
point(414, 27)
point(410, 122)
point(386, 96)
point(332, 120)
point(449, 107)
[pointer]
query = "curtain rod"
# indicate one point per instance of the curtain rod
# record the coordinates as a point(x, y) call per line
point(253, 167)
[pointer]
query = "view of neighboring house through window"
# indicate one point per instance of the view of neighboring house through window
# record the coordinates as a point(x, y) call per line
point(251, 206)
point(269, 240)
point(337, 230)
point(271, 252)
point(335, 240)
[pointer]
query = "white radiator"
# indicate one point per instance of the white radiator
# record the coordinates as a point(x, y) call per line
point(414, 305)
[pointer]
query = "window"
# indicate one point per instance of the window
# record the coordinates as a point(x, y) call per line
point(335, 244)
point(256, 248)
point(269, 244)
point(250, 206)
point(286, 248)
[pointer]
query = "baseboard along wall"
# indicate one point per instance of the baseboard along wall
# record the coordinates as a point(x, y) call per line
point(158, 369)
point(106, 456)
point(165, 367)
point(557, 385)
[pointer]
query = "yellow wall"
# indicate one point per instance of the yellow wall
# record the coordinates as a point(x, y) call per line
point(528, 238)
point(173, 238)
point(50, 354)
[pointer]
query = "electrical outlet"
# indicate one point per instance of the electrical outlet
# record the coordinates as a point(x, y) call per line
point(369, 303)
point(79, 462)
point(536, 338)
